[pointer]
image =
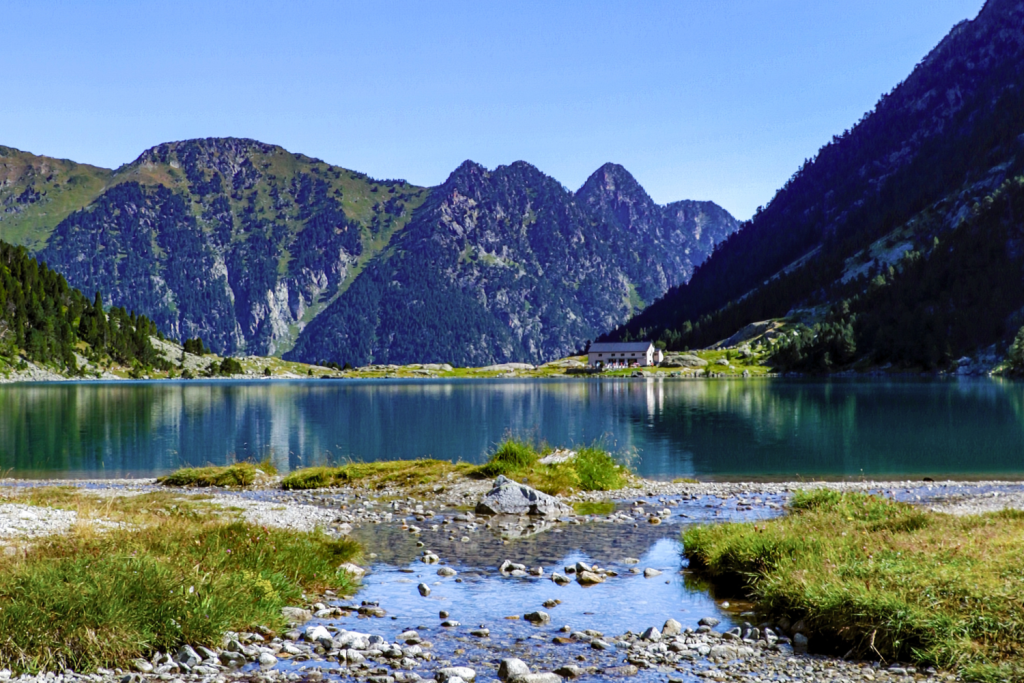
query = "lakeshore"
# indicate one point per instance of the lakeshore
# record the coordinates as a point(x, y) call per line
point(428, 538)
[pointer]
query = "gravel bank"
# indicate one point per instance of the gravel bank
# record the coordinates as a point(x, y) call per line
point(667, 653)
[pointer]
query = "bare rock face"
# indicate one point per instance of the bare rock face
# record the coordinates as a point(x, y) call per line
point(511, 498)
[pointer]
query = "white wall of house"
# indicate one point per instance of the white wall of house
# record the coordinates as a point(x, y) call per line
point(652, 356)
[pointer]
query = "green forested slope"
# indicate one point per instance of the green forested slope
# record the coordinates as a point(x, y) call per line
point(45, 320)
point(905, 178)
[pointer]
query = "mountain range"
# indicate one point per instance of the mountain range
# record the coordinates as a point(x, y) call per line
point(904, 233)
point(261, 251)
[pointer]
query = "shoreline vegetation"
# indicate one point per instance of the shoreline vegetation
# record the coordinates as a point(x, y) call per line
point(549, 470)
point(864, 576)
point(148, 573)
point(159, 568)
point(741, 361)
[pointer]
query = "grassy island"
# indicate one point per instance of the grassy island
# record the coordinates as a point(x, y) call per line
point(554, 471)
point(875, 578)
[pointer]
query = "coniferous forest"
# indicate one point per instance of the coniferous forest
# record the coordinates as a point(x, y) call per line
point(43, 319)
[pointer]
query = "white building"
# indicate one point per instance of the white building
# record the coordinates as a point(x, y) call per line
point(604, 354)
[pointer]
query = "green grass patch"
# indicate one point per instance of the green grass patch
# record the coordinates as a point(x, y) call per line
point(592, 468)
point(239, 474)
point(882, 579)
point(412, 473)
point(176, 573)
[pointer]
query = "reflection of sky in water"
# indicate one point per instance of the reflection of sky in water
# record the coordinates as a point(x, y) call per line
point(484, 598)
point(626, 602)
point(717, 428)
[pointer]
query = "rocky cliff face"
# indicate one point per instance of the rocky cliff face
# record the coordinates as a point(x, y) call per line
point(256, 249)
point(507, 265)
point(232, 240)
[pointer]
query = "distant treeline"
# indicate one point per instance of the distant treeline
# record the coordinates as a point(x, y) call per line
point(44, 319)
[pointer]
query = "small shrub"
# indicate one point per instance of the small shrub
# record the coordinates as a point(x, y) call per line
point(230, 366)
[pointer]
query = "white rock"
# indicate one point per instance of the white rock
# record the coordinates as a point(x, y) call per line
point(512, 667)
point(447, 674)
point(315, 634)
point(352, 569)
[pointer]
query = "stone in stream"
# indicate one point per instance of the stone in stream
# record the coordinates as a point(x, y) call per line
point(296, 615)
point(267, 659)
point(588, 578)
point(232, 660)
point(353, 570)
point(650, 573)
point(800, 642)
point(671, 628)
point(625, 670)
point(424, 589)
point(710, 622)
point(569, 671)
point(537, 678)
point(446, 571)
point(561, 579)
point(630, 560)
point(316, 634)
point(599, 644)
point(480, 633)
point(652, 634)
point(511, 667)
point(508, 497)
point(537, 617)
point(446, 674)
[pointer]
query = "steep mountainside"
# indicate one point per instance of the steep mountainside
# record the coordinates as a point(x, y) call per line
point(507, 265)
point(244, 244)
point(232, 240)
point(37, 193)
point(897, 186)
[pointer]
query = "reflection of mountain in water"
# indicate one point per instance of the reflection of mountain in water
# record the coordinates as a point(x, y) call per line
point(733, 429)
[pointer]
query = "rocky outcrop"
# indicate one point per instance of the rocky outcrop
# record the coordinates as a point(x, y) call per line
point(511, 498)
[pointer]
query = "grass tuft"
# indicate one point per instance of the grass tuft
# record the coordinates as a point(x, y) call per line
point(239, 474)
point(173, 573)
point(591, 469)
point(379, 474)
point(882, 579)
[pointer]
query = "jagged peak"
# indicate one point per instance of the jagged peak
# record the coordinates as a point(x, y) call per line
point(611, 184)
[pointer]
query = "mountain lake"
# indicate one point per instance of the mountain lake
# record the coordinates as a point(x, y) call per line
point(767, 429)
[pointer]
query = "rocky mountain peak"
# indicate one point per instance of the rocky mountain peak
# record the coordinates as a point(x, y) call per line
point(613, 193)
point(468, 174)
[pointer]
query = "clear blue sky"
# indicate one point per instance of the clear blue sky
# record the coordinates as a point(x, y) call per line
point(716, 100)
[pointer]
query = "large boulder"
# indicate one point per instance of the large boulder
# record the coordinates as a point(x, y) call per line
point(511, 498)
point(683, 360)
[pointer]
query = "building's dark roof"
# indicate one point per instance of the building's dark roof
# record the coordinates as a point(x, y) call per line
point(619, 347)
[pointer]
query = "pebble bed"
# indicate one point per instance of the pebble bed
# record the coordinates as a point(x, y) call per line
point(456, 597)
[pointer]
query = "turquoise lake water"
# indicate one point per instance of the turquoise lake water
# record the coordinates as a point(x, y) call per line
point(713, 429)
